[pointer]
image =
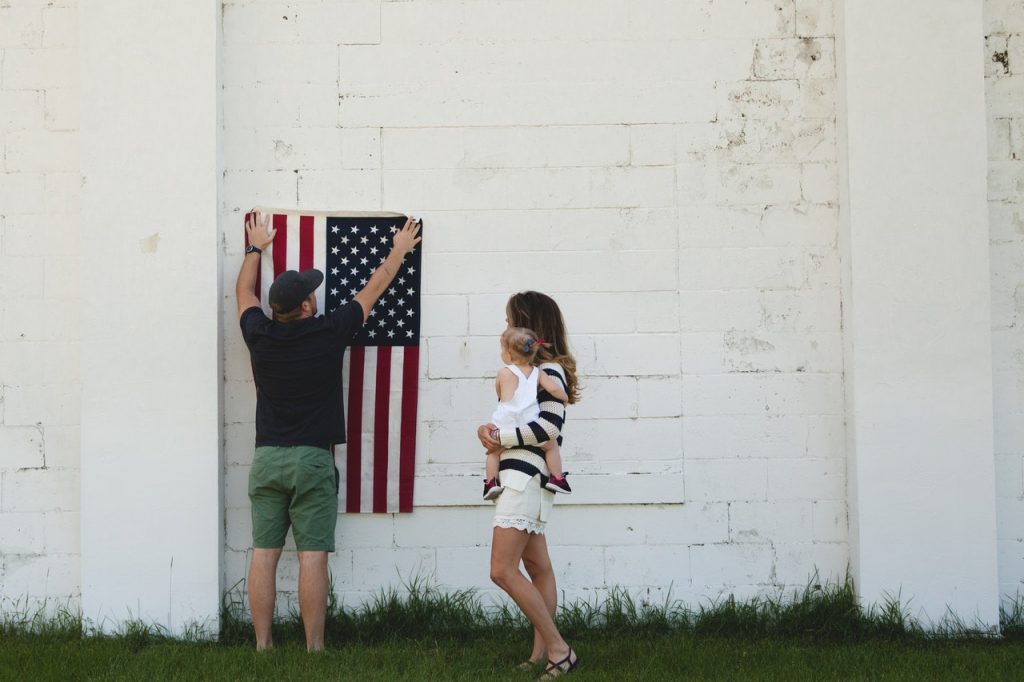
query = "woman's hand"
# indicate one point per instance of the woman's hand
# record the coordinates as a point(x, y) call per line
point(483, 432)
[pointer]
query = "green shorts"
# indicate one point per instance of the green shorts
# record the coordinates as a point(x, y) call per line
point(293, 486)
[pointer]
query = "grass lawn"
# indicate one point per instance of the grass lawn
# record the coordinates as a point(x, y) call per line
point(624, 657)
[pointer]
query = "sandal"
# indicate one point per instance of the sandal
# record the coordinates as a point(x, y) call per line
point(529, 665)
point(562, 667)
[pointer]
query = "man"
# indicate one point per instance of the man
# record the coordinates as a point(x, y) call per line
point(296, 363)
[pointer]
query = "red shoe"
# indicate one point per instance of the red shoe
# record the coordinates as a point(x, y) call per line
point(492, 489)
point(558, 484)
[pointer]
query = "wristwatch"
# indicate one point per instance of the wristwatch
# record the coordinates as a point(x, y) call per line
point(253, 249)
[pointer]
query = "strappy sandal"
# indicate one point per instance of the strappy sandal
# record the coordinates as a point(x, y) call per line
point(528, 665)
point(562, 667)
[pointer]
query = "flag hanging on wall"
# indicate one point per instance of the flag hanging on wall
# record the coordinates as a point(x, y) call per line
point(381, 368)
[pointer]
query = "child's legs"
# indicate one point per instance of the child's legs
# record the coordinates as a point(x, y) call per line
point(553, 456)
point(491, 467)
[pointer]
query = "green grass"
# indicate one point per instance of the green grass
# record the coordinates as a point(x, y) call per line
point(422, 633)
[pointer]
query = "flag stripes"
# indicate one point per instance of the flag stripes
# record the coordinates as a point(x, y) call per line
point(377, 463)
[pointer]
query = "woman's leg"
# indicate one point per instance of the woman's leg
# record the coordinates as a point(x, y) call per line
point(542, 575)
point(507, 548)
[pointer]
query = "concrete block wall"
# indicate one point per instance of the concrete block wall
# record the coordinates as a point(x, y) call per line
point(39, 324)
point(667, 171)
point(1004, 79)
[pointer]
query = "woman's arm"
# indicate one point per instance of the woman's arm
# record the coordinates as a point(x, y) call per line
point(547, 426)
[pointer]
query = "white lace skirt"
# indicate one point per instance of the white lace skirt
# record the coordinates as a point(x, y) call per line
point(527, 510)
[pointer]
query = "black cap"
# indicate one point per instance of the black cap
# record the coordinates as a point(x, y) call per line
point(291, 288)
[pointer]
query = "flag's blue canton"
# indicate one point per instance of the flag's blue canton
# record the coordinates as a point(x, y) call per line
point(355, 248)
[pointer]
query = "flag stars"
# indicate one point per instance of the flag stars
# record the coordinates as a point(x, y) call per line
point(372, 334)
point(373, 229)
point(410, 291)
point(391, 333)
point(344, 240)
point(408, 312)
point(334, 251)
point(354, 229)
point(363, 261)
point(334, 229)
point(334, 292)
point(344, 261)
point(408, 334)
point(334, 271)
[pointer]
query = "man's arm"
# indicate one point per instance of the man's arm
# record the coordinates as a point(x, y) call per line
point(260, 237)
point(405, 240)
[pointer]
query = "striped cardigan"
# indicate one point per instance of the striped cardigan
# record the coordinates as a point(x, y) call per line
point(523, 459)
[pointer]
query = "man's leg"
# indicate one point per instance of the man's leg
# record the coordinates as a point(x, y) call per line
point(262, 592)
point(313, 597)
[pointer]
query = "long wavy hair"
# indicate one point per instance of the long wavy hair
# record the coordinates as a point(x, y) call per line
point(536, 311)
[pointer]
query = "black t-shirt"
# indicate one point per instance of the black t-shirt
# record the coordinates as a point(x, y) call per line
point(297, 368)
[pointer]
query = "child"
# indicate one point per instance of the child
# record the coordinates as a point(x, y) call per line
point(516, 385)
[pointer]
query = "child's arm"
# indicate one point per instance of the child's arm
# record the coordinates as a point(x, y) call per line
point(506, 383)
point(553, 387)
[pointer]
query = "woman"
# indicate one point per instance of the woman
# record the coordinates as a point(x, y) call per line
point(523, 509)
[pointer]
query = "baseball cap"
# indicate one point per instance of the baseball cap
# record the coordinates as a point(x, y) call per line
point(291, 288)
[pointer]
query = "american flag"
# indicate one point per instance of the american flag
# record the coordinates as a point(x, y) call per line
point(381, 369)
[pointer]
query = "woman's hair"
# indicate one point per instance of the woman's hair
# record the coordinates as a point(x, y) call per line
point(521, 343)
point(535, 311)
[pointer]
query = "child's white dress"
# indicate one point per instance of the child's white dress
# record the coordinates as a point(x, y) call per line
point(522, 408)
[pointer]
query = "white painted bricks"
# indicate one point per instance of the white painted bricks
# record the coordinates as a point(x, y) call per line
point(668, 171)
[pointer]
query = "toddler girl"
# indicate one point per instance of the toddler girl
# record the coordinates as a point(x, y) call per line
point(516, 386)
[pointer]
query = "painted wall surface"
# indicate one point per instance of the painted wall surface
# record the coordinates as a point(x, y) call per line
point(667, 171)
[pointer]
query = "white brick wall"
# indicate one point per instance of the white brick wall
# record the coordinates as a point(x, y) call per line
point(667, 171)
point(1004, 81)
point(39, 331)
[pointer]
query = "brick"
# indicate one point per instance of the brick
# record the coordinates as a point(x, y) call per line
point(377, 568)
point(635, 355)
point(1004, 16)
point(717, 437)
point(770, 522)
point(358, 189)
point(444, 315)
point(316, 148)
point(63, 192)
point(52, 576)
point(779, 59)
point(759, 351)
point(63, 534)
point(532, 103)
point(506, 147)
point(38, 490)
point(552, 273)
point(819, 183)
point(352, 22)
point(600, 229)
point(60, 27)
point(1015, 48)
point(725, 566)
point(22, 533)
point(61, 281)
point(35, 69)
point(360, 148)
point(273, 22)
point(667, 20)
point(725, 480)
point(750, 226)
point(443, 527)
point(253, 105)
point(776, 141)
point(531, 21)
point(20, 26)
point(720, 310)
point(62, 446)
point(830, 521)
point(799, 563)
point(21, 277)
point(757, 267)
point(818, 97)
point(22, 193)
point(652, 145)
point(687, 524)
point(996, 57)
point(768, 394)
point(366, 530)
point(648, 565)
point(807, 479)
point(20, 109)
point(659, 397)
point(608, 398)
point(802, 311)
point(41, 234)
point(826, 436)
point(21, 447)
point(460, 568)
point(279, 64)
point(814, 18)
point(762, 100)
point(241, 189)
point(1003, 98)
point(578, 565)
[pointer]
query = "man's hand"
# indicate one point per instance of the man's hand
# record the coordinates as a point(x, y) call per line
point(257, 228)
point(407, 238)
point(483, 432)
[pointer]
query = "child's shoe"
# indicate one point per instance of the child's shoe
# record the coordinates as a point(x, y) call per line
point(492, 489)
point(558, 484)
